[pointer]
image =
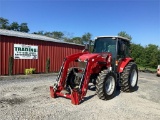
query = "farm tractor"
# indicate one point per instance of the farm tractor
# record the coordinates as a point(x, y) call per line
point(108, 67)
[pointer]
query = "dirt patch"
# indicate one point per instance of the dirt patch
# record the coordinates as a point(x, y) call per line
point(40, 88)
point(12, 101)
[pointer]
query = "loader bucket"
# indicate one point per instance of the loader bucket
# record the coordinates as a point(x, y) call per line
point(75, 97)
point(52, 92)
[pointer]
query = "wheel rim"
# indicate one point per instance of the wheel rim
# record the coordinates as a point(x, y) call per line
point(110, 85)
point(133, 78)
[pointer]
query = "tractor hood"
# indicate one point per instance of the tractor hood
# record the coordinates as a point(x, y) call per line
point(85, 57)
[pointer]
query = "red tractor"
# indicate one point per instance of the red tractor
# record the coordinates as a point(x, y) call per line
point(109, 67)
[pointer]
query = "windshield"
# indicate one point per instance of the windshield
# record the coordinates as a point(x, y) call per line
point(105, 45)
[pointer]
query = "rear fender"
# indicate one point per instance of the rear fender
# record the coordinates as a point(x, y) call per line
point(123, 64)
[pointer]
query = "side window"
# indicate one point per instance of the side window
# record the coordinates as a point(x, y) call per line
point(127, 48)
point(119, 48)
point(120, 53)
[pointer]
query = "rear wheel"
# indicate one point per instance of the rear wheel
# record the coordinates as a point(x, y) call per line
point(106, 85)
point(129, 78)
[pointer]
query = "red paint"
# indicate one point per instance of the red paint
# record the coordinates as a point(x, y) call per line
point(77, 95)
point(46, 49)
point(123, 64)
point(87, 56)
point(52, 92)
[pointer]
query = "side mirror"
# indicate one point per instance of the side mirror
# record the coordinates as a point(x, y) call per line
point(86, 46)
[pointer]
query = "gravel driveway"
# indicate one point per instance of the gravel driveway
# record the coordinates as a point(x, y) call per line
point(29, 99)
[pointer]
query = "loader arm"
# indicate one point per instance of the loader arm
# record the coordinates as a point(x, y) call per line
point(76, 95)
point(65, 66)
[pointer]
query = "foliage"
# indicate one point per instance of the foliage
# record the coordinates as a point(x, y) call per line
point(80, 40)
point(77, 40)
point(137, 53)
point(86, 38)
point(4, 24)
point(14, 26)
point(24, 27)
point(55, 34)
point(140, 68)
point(29, 71)
point(148, 56)
point(47, 65)
point(10, 65)
point(61, 36)
point(39, 33)
point(124, 34)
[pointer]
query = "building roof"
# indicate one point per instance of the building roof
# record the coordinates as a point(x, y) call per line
point(114, 37)
point(32, 36)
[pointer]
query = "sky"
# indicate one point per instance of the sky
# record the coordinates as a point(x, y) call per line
point(138, 18)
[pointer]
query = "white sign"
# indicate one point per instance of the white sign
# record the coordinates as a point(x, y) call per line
point(25, 51)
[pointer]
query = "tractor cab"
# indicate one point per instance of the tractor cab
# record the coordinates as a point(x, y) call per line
point(117, 46)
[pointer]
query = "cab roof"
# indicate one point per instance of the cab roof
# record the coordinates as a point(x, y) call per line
point(124, 38)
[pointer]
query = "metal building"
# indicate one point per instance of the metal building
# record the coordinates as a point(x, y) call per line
point(32, 51)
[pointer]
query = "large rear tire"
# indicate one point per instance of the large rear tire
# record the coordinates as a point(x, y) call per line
point(106, 85)
point(129, 78)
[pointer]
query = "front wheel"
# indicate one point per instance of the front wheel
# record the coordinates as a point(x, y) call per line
point(71, 78)
point(106, 85)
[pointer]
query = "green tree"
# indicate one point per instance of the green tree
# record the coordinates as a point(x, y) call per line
point(48, 34)
point(14, 26)
point(158, 56)
point(124, 34)
point(137, 53)
point(24, 27)
point(4, 23)
point(151, 55)
point(86, 37)
point(148, 56)
point(66, 39)
point(39, 33)
point(77, 40)
point(57, 34)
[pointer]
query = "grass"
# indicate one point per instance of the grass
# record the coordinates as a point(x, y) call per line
point(150, 69)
